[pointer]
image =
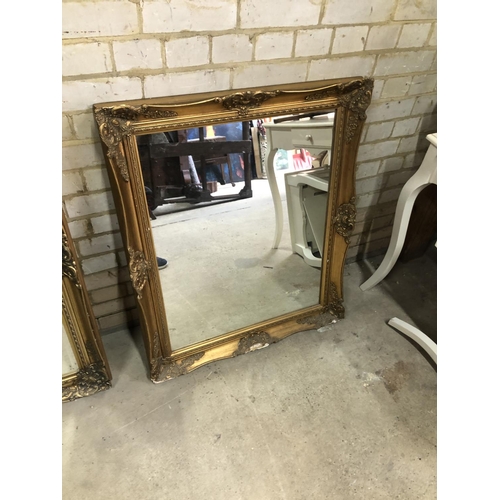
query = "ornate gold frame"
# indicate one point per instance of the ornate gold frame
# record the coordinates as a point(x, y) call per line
point(120, 122)
point(93, 374)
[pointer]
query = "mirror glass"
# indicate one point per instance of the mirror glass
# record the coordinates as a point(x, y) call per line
point(69, 363)
point(213, 218)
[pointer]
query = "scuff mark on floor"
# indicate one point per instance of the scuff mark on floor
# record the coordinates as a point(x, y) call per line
point(395, 377)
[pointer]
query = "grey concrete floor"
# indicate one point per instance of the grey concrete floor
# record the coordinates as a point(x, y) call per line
point(345, 412)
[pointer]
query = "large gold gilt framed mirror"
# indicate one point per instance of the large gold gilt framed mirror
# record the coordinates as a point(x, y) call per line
point(85, 369)
point(228, 289)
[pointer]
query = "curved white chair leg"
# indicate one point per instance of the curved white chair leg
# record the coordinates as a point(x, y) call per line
point(275, 193)
point(404, 208)
point(429, 346)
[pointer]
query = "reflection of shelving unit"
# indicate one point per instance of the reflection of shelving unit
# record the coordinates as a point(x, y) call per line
point(307, 196)
point(169, 165)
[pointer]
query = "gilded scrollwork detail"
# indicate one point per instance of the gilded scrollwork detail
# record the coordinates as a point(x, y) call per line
point(89, 380)
point(335, 304)
point(68, 263)
point(171, 369)
point(139, 269)
point(357, 102)
point(243, 102)
point(156, 358)
point(345, 219)
point(112, 130)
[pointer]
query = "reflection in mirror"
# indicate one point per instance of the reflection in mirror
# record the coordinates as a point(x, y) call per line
point(69, 363)
point(215, 196)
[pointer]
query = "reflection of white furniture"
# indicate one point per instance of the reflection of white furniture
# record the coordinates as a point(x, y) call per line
point(313, 134)
point(425, 175)
point(306, 197)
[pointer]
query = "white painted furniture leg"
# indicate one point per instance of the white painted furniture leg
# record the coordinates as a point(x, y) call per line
point(275, 193)
point(429, 346)
point(424, 176)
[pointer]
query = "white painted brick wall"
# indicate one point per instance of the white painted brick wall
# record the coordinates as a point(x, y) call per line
point(367, 169)
point(81, 95)
point(99, 244)
point(85, 126)
point(96, 264)
point(414, 35)
point(369, 185)
point(185, 52)
point(405, 127)
point(358, 11)
point(273, 46)
point(96, 179)
point(404, 62)
point(351, 39)
point(313, 42)
point(175, 16)
point(408, 10)
point(90, 204)
point(94, 19)
point(377, 150)
point(81, 155)
point(396, 87)
point(72, 183)
point(378, 131)
point(231, 48)
point(67, 131)
point(425, 104)
point(105, 223)
point(391, 164)
point(367, 200)
point(390, 110)
point(186, 82)
point(342, 67)
point(79, 228)
point(383, 37)
point(86, 59)
point(253, 75)
point(421, 84)
point(137, 54)
point(265, 13)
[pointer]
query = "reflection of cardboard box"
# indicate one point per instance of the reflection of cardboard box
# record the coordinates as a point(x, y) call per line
point(212, 186)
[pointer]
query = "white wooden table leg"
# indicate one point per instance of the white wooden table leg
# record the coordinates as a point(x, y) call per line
point(429, 346)
point(404, 208)
point(275, 193)
point(425, 175)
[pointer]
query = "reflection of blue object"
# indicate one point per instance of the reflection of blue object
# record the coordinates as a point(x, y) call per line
point(232, 132)
point(281, 160)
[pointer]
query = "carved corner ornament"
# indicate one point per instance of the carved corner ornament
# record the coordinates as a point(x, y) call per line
point(68, 263)
point(139, 269)
point(345, 219)
point(114, 125)
point(243, 102)
point(355, 96)
point(89, 380)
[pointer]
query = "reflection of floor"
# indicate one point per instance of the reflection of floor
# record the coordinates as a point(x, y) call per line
point(213, 251)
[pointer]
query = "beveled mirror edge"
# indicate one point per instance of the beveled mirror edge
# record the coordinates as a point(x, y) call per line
point(93, 374)
point(119, 123)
